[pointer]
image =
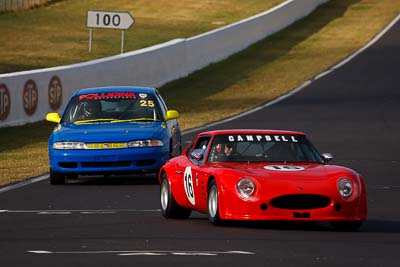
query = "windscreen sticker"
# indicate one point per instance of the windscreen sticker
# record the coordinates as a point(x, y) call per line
point(284, 168)
point(263, 138)
point(108, 95)
point(188, 184)
point(147, 103)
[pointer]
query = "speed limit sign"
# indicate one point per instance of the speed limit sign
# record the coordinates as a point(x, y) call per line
point(109, 20)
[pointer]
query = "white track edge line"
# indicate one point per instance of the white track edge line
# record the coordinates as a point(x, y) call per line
point(80, 211)
point(23, 183)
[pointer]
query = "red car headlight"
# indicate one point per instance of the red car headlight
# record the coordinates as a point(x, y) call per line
point(345, 188)
point(245, 187)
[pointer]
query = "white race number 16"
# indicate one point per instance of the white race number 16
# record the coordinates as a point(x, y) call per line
point(188, 184)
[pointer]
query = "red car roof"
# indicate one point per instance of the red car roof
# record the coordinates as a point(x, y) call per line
point(249, 131)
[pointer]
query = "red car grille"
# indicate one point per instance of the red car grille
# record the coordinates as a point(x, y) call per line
point(300, 202)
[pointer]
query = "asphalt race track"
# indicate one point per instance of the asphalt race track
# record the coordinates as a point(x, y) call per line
point(353, 112)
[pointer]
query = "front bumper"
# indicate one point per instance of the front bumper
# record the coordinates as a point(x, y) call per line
point(97, 161)
point(231, 207)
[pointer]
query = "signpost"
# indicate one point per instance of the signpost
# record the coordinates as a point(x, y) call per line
point(109, 20)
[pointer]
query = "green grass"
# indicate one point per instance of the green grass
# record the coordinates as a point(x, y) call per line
point(23, 151)
point(264, 71)
point(56, 34)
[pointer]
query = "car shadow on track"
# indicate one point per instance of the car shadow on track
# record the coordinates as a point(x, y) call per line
point(112, 180)
point(369, 226)
point(280, 225)
point(381, 226)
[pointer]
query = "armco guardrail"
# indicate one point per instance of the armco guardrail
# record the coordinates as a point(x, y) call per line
point(28, 96)
point(13, 5)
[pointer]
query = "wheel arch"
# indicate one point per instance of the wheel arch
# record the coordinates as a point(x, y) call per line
point(223, 193)
point(171, 180)
point(160, 174)
point(210, 178)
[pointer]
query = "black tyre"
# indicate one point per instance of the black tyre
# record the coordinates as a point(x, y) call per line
point(349, 226)
point(56, 178)
point(169, 207)
point(156, 181)
point(212, 204)
point(171, 150)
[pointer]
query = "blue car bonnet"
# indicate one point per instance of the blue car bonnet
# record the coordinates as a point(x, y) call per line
point(106, 132)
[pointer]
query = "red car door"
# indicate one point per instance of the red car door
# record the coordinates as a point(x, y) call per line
point(190, 172)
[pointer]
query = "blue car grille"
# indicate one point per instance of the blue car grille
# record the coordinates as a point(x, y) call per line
point(68, 165)
point(145, 162)
point(105, 164)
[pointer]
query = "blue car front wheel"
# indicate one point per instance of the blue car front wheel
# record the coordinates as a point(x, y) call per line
point(56, 178)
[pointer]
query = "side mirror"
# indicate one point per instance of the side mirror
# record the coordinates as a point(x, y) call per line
point(327, 157)
point(171, 115)
point(53, 117)
point(197, 154)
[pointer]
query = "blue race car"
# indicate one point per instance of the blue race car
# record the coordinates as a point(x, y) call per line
point(112, 130)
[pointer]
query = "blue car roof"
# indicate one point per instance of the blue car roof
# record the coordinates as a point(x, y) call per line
point(135, 89)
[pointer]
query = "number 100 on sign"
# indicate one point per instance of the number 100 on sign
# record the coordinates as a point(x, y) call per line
point(109, 20)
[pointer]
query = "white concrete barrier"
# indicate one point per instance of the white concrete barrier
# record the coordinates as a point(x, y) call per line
point(14, 5)
point(28, 96)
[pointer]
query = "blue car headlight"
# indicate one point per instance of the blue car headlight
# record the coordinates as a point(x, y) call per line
point(145, 143)
point(132, 144)
point(69, 145)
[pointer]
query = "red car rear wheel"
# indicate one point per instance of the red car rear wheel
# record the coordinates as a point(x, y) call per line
point(169, 207)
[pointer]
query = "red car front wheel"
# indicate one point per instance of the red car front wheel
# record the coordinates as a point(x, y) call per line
point(212, 203)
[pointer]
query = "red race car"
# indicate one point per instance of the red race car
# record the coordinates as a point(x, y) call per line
point(261, 175)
